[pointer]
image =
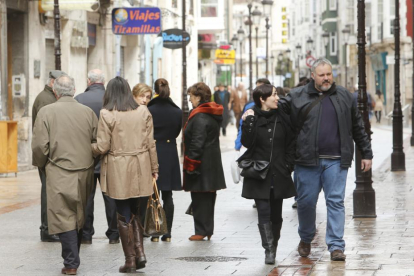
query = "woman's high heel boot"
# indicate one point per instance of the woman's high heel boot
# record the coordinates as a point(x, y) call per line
point(140, 257)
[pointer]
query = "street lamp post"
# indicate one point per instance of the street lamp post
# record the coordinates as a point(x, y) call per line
point(240, 35)
point(56, 13)
point(287, 83)
point(184, 80)
point(267, 9)
point(397, 156)
point(235, 41)
point(249, 6)
point(412, 105)
point(346, 33)
point(298, 53)
point(272, 59)
point(280, 61)
point(256, 20)
point(309, 48)
point(364, 194)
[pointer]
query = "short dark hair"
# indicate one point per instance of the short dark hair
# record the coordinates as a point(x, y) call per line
point(263, 91)
point(263, 81)
point(280, 91)
point(161, 88)
point(200, 89)
point(118, 96)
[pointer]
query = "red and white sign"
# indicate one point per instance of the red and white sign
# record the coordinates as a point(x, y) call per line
point(309, 61)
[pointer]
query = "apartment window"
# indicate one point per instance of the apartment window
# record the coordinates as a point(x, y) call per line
point(174, 4)
point(392, 26)
point(323, 5)
point(333, 44)
point(392, 8)
point(209, 8)
point(332, 5)
point(368, 15)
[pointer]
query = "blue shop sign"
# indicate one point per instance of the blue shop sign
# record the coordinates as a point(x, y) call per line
point(134, 21)
point(173, 38)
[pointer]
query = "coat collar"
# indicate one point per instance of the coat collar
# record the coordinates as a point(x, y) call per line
point(160, 100)
point(313, 90)
point(92, 86)
point(67, 99)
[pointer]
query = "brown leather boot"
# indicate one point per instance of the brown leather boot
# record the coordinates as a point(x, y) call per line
point(127, 239)
point(304, 249)
point(140, 258)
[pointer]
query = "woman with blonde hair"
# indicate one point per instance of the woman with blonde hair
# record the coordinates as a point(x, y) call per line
point(142, 93)
point(125, 140)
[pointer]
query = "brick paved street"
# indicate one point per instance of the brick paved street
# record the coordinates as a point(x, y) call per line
point(381, 246)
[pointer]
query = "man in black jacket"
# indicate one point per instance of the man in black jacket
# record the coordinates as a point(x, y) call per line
point(93, 98)
point(325, 146)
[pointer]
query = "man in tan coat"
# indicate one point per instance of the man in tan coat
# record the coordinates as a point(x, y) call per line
point(238, 97)
point(62, 137)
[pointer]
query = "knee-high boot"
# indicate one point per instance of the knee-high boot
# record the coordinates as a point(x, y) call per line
point(276, 227)
point(140, 258)
point(127, 239)
point(266, 234)
point(169, 214)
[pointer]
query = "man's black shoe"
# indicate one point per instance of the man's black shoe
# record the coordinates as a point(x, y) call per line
point(48, 238)
point(84, 241)
point(115, 241)
point(304, 249)
point(338, 255)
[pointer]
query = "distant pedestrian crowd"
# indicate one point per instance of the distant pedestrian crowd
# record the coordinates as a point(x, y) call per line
point(125, 139)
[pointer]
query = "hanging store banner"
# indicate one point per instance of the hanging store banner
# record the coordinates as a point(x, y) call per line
point(135, 21)
point(173, 38)
point(225, 56)
point(85, 5)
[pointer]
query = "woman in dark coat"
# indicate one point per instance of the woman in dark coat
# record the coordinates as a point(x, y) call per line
point(258, 132)
point(167, 119)
point(203, 170)
point(222, 97)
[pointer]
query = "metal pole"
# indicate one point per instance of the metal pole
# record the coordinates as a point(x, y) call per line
point(241, 60)
point(397, 156)
point(250, 51)
point(184, 95)
point(412, 105)
point(56, 13)
point(364, 194)
point(257, 59)
point(4, 93)
point(267, 47)
point(346, 65)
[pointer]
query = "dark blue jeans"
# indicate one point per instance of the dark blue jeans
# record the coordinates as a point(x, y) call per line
point(309, 181)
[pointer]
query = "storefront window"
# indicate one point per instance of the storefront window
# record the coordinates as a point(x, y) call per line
point(209, 8)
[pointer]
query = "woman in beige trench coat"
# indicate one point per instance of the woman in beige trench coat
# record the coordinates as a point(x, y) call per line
point(125, 140)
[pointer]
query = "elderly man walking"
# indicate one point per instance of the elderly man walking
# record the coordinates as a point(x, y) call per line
point(93, 98)
point(44, 98)
point(62, 137)
point(327, 123)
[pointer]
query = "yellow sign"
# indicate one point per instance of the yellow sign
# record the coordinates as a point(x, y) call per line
point(224, 61)
point(225, 54)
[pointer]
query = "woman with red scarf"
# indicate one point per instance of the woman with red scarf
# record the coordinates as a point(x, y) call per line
point(203, 170)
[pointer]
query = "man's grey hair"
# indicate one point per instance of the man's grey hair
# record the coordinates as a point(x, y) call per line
point(96, 76)
point(320, 61)
point(49, 82)
point(64, 86)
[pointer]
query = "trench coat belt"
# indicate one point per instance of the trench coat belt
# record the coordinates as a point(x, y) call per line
point(127, 153)
point(72, 169)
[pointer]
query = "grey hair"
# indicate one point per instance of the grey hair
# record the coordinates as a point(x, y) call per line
point(320, 61)
point(96, 76)
point(49, 82)
point(64, 86)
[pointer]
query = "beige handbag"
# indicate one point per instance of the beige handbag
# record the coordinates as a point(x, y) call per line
point(155, 220)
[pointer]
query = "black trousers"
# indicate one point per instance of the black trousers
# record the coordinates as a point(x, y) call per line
point(378, 116)
point(43, 203)
point(203, 212)
point(71, 242)
point(142, 208)
point(110, 210)
point(127, 207)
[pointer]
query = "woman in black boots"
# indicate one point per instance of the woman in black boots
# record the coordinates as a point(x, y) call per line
point(125, 140)
point(167, 118)
point(268, 136)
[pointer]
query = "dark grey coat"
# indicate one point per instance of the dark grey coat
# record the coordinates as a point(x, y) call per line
point(351, 126)
point(225, 104)
point(93, 98)
point(202, 151)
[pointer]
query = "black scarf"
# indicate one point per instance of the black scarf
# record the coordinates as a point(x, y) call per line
point(262, 113)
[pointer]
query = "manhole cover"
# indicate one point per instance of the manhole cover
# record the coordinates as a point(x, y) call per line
point(211, 259)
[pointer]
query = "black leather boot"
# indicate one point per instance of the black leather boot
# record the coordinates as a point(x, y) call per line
point(266, 233)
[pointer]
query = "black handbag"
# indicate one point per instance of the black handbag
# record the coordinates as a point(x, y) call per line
point(257, 169)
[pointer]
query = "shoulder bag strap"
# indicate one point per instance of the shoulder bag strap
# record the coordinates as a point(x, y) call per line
point(273, 138)
point(305, 114)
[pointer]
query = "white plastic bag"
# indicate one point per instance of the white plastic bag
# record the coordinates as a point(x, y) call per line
point(235, 170)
